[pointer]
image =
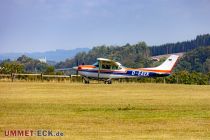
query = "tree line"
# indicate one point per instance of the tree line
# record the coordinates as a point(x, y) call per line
point(25, 64)
point(185, 46)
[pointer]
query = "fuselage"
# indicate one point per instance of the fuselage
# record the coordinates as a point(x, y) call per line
point(91, 71)
point(109, 69)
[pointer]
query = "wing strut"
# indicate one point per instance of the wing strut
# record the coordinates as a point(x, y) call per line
point(99, 68)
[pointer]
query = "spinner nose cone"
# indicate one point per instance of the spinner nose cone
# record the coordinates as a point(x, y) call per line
point(75, 68)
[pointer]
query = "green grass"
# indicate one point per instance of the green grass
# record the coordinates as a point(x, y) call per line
point(98, 111)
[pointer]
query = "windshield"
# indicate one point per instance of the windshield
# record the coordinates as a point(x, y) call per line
point(95, 64)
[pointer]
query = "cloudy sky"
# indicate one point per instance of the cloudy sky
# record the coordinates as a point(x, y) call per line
point(41, 25)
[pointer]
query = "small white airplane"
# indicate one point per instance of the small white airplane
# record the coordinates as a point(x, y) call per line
point(106, 70)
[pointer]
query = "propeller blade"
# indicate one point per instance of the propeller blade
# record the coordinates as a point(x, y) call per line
point(99, 68)
point(77, 67)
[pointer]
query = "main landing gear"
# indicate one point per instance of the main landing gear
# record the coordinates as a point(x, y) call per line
point(109, 81)
point(85, 80)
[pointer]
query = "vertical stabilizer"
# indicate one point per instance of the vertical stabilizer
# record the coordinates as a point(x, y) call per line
point(166, 66)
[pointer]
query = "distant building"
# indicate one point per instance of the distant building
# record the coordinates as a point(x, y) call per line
point(43, 60)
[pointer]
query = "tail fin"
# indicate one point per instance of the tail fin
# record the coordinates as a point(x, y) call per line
point(167, 65)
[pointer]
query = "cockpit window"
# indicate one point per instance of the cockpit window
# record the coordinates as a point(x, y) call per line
point(108, 65)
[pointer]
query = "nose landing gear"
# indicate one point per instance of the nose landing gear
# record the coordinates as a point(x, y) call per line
point(85, 80)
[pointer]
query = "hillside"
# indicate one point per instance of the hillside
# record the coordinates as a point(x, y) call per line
point(57, 55)
point(186, 46)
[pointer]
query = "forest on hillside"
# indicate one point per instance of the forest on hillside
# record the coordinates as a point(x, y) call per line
point(186, 46)
point(197, 60)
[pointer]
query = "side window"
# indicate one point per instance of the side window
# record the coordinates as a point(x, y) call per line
point(109, 66)
point(106, 66)
point(114, 67)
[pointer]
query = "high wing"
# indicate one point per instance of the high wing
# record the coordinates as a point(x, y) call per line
point(64, 69)
point(104, 63)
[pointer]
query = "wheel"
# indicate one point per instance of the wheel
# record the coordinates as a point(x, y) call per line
point(85, 81)
point(109, 81)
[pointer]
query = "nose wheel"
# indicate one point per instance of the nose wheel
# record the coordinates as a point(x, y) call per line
point(85, 80)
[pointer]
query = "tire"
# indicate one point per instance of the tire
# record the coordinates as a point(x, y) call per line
point(85, 81)
point(109, 82)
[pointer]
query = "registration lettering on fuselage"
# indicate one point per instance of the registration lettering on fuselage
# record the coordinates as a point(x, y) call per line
point(139, 73)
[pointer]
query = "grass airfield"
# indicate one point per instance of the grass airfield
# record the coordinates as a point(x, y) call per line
point(99, 111)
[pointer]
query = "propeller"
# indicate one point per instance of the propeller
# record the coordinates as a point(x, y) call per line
point(77, 67)
point(72, 68)
point(99, 68)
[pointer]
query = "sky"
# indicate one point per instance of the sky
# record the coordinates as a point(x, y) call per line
point(43, 25)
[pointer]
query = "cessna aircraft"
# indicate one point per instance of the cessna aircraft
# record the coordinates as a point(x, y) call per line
point(106, 70)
